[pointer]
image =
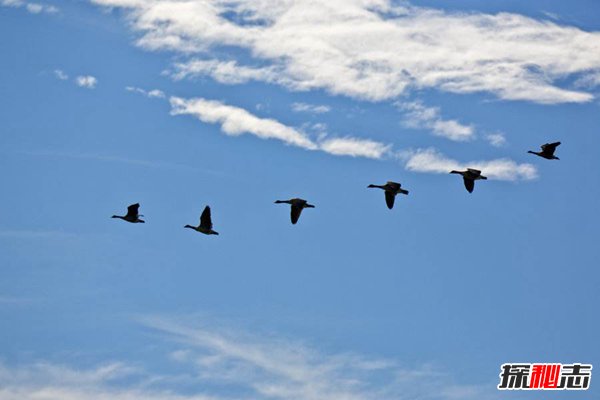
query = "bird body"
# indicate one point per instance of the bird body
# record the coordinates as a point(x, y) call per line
point(132, 214)
point(297, 206)
point(469, 177)
point(206, 225)
point(547, 152)
point(391, 190)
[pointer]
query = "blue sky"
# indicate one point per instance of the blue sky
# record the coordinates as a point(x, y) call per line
point(111, 102)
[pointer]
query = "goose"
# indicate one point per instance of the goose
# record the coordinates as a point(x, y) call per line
point(132, 214)
point(297, 206)
point(391, 190)
point(470, 176)
point(547, 151)
point(205, 223)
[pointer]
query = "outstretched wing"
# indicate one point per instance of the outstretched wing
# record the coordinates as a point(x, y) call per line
point(205, 220)
point(469, 184)
point(132, 210)
point(389, 199)
point(549, 148)
point(295, 213)
point(475, 172)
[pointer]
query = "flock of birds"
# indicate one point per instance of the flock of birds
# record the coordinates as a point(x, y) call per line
point(391, 189)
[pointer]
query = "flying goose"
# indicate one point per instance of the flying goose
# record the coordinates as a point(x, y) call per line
point(297, 206)
point(470, 176)
point(132, 214)
point(391, 190)
point(205, 223)
point(547, 151)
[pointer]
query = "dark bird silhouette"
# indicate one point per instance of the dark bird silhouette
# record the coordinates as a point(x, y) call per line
point(547, 151)
point(206, 225)
point(297, 206)
point(391, 190)
point(470, 176)
point(132, 214)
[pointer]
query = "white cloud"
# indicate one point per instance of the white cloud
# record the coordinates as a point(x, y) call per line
point(418, 116)
point(33, 8)
point(310, 108)
point(60, 74)
point(12, 3)
point(355, 147)
point(370, 49)
point(211, 362)
point(496, 139)
point(227, 72)
point(153, 94)
point(432, 161)
point(236, 121)
point(87, 81)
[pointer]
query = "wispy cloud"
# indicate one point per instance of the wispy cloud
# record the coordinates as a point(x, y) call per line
point(236, 121)
point(496, 139)
point(60, 74)
point(246, 365)
point(418, 116)
point(374, 50)
point(86, 81)
point(154, 93)
point(33, 8)
point(355, 147)
point(432, 161)
point(310, 108)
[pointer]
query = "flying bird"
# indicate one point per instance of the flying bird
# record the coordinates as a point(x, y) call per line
point(547, 151)
point(206, 225)
point(470, 176)
point(391, 190)
point(132, 214)
point(297, 206)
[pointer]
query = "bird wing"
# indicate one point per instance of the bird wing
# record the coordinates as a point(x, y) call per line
point(469, 184)
point(475, 172)
point(389, 199)
point(550, 147)
point(295, 213)
point(132, 210)
point(205, 220)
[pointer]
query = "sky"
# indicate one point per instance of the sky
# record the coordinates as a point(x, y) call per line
point(235, 104)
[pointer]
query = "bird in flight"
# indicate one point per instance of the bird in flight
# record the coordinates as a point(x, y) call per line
point(470, 176)
point(547, 152)
point(206, 225)
point(297, 206)
point(391, 190)
point(132, 214)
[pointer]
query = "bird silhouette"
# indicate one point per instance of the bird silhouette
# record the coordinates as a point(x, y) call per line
point(297, 206)
point(132, 214)
point(470, 176)
point(391, 190)
point(206, 225)
point(547, 152)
